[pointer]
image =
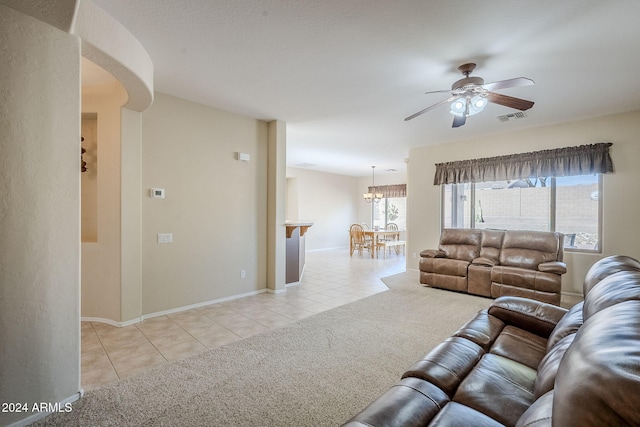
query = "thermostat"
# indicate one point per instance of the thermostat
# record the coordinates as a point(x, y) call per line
point(243, 157)
point(156, 193)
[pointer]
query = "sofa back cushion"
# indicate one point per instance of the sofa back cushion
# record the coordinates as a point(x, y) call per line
point(615, 289)
point(527, 249)
point(606, 267)
point(491, 246)
point(569, 324)
point(598, 379)
point(460, 243)
point(548, 367)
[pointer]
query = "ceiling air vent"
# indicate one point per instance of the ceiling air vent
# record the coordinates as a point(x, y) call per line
point(512, 116)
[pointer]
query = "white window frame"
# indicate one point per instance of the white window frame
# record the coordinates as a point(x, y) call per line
point(552, 211)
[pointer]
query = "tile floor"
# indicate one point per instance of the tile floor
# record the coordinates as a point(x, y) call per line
point(331, 278)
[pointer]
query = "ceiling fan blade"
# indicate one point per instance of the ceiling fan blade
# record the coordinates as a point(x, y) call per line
point(459, 121)
point(503, 84)
point(444, 101)
point(509, 101)
point(438, 91)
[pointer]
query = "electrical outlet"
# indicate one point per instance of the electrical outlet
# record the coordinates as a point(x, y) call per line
point(243, 274)
point(414, 255)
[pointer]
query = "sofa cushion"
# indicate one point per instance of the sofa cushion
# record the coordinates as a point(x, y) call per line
point(548, 367)
point(527, 249)
point(520, 345)
point(447, 364)
point(491, 246)
point(606, 267)
point(462, 244)
point(455, 415)
point(526, 279)
point(569, 324)
point(599, 375)
point(498, 387)
point(539, 413)
point(619, 287)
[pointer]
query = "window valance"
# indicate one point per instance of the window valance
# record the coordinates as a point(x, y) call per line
point(397, 190)
point(568, 161)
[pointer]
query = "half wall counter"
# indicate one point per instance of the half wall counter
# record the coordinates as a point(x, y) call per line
point(295, 250)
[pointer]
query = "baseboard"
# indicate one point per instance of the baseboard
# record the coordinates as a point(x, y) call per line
point(62, 406)
point(170, 311)
point(328, 249)
point(570, 298)
point(112, 322)
point(572, 294)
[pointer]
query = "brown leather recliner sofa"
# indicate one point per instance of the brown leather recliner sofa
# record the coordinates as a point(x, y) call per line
point(496, 263)
point(527, 363)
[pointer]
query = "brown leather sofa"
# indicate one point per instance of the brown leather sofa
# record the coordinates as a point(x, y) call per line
point(527, 363)
point(496, 263)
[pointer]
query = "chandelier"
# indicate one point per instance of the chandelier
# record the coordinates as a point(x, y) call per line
point(372, 197)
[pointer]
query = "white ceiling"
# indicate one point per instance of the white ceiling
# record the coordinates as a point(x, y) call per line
point(344, 74)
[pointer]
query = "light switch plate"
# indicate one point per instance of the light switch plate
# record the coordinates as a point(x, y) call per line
point(165, 238)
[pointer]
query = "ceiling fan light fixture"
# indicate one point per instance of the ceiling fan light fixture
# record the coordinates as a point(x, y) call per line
point(458, 107)
point(477, 104)
point(470, 96)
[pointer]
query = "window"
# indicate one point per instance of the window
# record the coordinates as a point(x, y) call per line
point(457, 206)
point(569, 205)
point(578, 209)
point(516, 205)
point(390, 209)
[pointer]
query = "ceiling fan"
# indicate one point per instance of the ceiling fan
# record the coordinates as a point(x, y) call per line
point(470, 95)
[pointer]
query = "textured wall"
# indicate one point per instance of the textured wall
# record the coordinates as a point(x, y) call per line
point(39, 212)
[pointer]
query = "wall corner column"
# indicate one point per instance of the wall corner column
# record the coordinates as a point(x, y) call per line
point(131, 216)
point(276, 206)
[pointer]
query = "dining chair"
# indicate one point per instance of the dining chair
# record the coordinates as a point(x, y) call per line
point(358, 241)
point(391, 241)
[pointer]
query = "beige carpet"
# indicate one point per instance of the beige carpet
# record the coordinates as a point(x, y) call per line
point(318, 371)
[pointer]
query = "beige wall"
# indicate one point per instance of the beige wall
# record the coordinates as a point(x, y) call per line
point(215, 205)
point(332, 202)
point(101, 296)
point(40, 213)
point(131, 216)
point(328, 200)
point(621, 190)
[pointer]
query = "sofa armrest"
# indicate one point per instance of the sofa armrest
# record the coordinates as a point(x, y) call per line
point(488, 262)
point(412, 401)
point(432, 253)
point(556, 267)
point(534, 316)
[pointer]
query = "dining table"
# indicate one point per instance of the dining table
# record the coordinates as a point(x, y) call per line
point(375, 238)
